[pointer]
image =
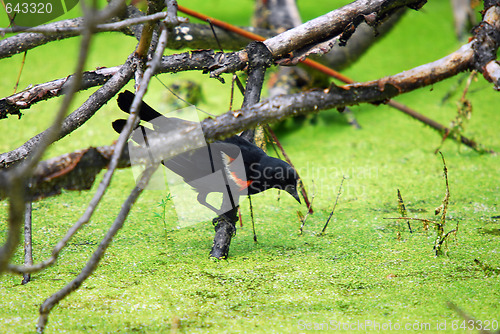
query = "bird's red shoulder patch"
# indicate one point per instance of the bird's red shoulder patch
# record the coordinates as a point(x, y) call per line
point(242, 183)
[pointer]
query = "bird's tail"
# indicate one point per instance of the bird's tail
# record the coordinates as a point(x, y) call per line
point(146, 113)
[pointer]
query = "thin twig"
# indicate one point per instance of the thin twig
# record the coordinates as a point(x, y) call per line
point(402, 209)
point(215, 35)
point(334, 206)
point(251, 215)
point(412, 218)
point(20, 71)
point(231, 97)
point(309, 211)
point(282, 149)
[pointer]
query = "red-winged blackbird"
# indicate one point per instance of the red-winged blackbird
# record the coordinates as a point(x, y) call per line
point(214, 167)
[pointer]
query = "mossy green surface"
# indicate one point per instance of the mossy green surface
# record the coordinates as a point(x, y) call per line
point(286, 283)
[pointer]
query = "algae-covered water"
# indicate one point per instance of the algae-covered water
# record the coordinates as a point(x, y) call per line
point(366, 273)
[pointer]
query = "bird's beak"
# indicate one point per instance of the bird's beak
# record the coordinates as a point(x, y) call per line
point(292, 190)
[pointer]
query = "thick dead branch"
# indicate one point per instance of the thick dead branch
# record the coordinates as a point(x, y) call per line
point(259, 60)
point(25, 99)
point(322, 29)
point(486, 43)
point(333, 24)
point(281, 15)
point(284, 106)
point(71, 171)
point(428, 74)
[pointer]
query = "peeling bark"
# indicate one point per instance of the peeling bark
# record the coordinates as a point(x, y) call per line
point(486, 43)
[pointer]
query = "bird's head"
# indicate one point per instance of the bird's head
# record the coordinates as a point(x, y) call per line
point(278, 174)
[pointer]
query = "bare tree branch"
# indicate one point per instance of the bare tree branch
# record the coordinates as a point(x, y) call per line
point(72, 171)
point(78, 117)
point(58, 28)
point(202, 60)
point(25, 99)
point(18, 176)
point(26, 41)
point(427, 74)
point(332, 24)
point(92, 264)
point(47, 306)
point(221, 63)
point(60, 174)
point(486, 43)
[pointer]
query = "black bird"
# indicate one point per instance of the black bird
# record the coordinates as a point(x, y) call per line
point(233, 167)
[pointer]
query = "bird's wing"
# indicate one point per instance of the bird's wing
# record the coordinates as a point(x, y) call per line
point(146, 113)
